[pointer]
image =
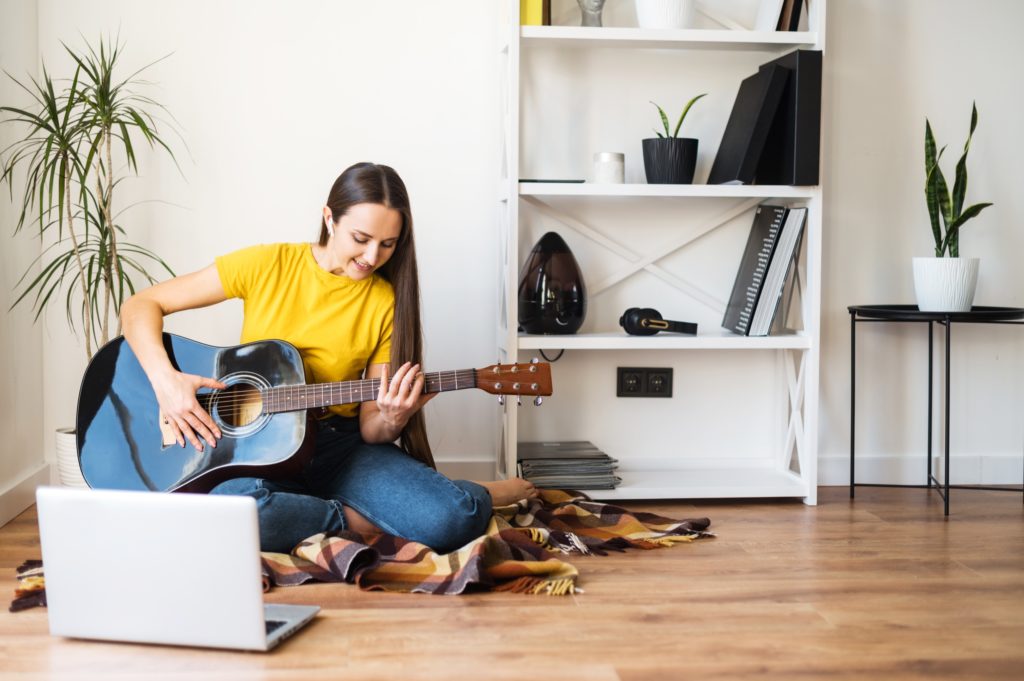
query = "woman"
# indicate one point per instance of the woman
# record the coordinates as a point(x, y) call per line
point(350, 304)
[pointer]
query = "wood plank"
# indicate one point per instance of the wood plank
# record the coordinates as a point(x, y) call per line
point(879, 587)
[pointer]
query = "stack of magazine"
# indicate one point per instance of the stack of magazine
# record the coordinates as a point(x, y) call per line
point(574, 464)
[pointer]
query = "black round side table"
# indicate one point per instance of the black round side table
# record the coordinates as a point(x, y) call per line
point(979, 314)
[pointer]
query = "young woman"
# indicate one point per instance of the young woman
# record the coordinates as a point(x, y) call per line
point(350, 304)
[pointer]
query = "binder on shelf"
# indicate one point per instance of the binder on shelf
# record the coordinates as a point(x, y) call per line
point(752, 116)
point(782, 263)
point(535, 13)
point(790, 153)
point(753, 269)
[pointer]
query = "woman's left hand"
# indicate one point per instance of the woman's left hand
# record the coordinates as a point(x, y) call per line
point(400, 399)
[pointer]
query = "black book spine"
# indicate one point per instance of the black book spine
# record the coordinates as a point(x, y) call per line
point(757, 255)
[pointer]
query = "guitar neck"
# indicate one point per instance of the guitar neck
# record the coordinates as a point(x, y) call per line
point(300, 397)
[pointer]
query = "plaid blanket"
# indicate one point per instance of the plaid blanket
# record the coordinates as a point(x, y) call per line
point(515, 554)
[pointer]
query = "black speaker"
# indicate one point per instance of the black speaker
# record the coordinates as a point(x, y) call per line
point(552, 296)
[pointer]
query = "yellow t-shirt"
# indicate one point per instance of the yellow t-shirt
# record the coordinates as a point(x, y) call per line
point(339, 325)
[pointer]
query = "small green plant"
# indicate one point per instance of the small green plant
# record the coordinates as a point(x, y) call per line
point(946, 210)
point(679, 123)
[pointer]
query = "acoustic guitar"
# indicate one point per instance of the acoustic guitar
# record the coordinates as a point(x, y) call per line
point(264, 414)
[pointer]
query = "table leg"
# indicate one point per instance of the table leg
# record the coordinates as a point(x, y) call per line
point(931, 328)
point(853, 389)
point(949, 332)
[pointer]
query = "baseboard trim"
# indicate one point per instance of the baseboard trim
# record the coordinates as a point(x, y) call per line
point(834, 469)
point(911, 469)
point(22, 494)
point(468, 470)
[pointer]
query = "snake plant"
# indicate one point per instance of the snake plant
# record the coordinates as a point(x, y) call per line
point(946, 210)
point(679, 123)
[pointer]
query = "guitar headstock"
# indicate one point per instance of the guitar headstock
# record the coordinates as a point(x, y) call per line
point(532, 378)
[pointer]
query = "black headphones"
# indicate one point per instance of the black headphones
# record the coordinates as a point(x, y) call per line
point(646, 321)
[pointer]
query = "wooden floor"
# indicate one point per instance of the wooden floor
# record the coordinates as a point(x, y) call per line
point(883, 587)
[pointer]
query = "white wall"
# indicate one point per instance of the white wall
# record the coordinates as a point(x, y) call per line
point(21, 391)
point(274, 100)
point(890, 65)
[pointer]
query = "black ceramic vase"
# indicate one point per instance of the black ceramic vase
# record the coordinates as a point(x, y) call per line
point(670, 160)
point(552, 297)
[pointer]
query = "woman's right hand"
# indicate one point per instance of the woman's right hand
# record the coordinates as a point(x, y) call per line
point(181, 412)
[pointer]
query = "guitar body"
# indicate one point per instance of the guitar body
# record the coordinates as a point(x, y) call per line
point(120, 441)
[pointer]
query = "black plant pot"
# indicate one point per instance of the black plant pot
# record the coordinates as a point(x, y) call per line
point(670, 160)
point(552, 296)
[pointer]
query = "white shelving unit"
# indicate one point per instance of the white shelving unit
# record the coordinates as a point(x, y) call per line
point(785, 467)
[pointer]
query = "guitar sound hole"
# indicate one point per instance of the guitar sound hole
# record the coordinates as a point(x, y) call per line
point(239, 405)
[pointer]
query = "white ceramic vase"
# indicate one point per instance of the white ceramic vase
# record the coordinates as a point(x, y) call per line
point(665, 13)
point(67, 459)
point(945, 284)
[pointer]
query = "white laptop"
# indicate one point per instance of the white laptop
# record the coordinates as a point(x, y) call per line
point(148, 567)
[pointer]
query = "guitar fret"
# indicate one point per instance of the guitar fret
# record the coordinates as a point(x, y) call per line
point(298, 397)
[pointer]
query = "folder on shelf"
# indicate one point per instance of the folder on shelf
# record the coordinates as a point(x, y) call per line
point(791, 150)
point(745, 134)
point(535, 13)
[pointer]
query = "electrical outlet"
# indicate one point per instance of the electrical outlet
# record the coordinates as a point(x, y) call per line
point(630, 382)
point(659, 383)
point(643, 382)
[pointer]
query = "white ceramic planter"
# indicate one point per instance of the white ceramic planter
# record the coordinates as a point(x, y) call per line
point(665, 13)
point(67, 459)
point(945, 284)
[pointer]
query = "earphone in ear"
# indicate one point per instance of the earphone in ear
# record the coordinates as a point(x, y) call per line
point(330, 226)
point(646, 321)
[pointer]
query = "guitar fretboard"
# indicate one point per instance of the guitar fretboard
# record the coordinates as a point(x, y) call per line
point(299, 397)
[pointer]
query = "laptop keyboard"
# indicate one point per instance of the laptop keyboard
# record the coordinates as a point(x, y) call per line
point(274, 625)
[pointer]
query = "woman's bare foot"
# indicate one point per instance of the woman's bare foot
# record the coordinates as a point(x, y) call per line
point(505, 492)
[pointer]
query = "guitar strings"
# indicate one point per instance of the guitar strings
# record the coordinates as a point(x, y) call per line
point(345, 389)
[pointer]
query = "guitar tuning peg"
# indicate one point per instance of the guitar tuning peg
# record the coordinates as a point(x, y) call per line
point(519, 400)
point(538, 400)
point(501, 400)
point(534, 361)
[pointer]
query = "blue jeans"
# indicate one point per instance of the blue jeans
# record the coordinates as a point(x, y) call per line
point(394, 491)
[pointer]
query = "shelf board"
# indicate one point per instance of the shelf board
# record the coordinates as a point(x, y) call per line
point(674, 39)
point(729, 191)
point(712, 483)
point(719, 339)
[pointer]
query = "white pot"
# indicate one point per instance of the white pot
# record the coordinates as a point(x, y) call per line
point(67, 459)
point(665, 13)
point(945, 284)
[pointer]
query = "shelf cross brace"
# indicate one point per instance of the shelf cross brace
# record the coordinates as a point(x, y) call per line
point(794, 441)
point(638, 262)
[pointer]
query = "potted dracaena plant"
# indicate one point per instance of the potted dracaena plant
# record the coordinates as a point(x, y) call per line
point(79, 142)
point(946, 282)
point(668, 158)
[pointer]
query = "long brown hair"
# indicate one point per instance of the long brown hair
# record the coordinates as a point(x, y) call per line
point(380, 184)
